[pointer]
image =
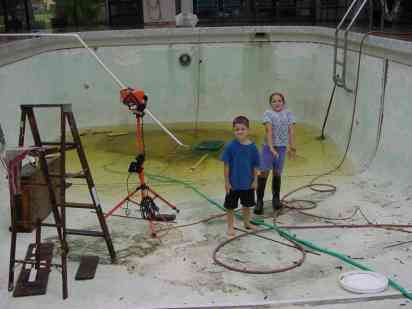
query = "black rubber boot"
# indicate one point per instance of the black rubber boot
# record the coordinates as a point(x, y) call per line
point(276, 183)
point(260, 193)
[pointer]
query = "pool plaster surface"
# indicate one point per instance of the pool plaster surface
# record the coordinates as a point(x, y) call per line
point(177, 269)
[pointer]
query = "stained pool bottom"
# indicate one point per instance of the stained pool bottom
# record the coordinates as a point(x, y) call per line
point(111, 149)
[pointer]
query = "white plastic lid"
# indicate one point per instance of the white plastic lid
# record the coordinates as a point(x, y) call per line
point(363, 282)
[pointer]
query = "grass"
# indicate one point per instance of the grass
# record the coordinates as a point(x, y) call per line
point(43, 20)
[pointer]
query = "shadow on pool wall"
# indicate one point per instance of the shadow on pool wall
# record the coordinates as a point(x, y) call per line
point(231, 79)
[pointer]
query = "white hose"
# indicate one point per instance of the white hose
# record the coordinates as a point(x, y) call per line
point(2, 150)
point(114, 77)
point(2, 142)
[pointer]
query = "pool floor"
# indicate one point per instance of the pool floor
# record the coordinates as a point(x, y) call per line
point(110, 151)
point(177, 270)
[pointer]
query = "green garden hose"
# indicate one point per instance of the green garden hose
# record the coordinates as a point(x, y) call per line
point(284, 233)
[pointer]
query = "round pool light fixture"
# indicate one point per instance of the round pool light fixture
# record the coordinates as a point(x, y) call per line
point(185, 59)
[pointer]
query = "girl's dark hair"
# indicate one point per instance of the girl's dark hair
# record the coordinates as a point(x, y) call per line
point(279, 94)
point(241, 120)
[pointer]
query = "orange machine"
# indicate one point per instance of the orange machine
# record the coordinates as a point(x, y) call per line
point(136, 101)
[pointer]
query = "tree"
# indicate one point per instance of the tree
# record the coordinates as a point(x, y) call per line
point(78, 12)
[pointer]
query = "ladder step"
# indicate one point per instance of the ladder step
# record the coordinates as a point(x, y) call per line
point(70, 175)
point(80, 174)
point(31, 106)
point(53, 150)
point(51, 225)
point(84, 233)
point(57, 143)
point(58, 149)
point(80, 205)
point(68, 145)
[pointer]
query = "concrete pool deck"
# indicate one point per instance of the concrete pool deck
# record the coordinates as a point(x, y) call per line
point(178, 269)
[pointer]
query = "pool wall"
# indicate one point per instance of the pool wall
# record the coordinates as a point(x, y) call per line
point(236, 74)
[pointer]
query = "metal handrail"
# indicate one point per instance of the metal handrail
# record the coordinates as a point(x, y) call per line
point(341, 80)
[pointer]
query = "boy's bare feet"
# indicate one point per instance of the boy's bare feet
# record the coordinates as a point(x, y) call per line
point(231, 232)
point(250, 227)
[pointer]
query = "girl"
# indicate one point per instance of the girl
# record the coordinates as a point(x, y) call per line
point(279, 140)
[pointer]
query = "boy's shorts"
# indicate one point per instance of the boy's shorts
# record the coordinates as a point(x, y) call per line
point(247, 198)
point(268, 162)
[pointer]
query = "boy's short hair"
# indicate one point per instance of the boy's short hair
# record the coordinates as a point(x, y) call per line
point(241, 120)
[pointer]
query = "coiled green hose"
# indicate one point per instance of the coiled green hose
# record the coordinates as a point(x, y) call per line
point(284, 233)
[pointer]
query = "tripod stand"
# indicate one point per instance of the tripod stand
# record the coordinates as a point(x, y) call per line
point(136, 101)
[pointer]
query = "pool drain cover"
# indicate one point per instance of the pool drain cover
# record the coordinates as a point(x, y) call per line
point(363, 282)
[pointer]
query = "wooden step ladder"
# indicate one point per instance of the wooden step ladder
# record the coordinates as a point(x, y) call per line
point(60, 147)
point(27, 216)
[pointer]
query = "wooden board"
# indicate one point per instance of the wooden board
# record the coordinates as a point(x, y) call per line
point(25, 286)
point(87, 267)
point(35, 201)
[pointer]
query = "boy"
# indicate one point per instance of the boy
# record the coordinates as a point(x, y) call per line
point(241, 159)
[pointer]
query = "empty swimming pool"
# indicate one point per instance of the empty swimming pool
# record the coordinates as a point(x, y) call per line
point(230, 72)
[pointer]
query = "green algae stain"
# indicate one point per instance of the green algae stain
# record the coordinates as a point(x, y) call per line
point(110, 151)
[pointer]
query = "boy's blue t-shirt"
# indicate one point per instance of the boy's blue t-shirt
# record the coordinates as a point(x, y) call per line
point(242, 159)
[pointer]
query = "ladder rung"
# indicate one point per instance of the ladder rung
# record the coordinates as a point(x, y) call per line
point(339, 62)
point(31, 106)
point(58, 149)
point(66, 185)
point(47, 152)
point(76, 175)
point(70, 146)
point(70, 175)
point(84, 233)
point(53, 150)
point(80, 205)
point(51, 225)
point(57, 143)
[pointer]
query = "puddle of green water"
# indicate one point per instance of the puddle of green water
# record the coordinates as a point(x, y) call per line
point(110, 156)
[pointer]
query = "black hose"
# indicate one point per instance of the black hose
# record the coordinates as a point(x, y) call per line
point(256, 271)
point(322, 136)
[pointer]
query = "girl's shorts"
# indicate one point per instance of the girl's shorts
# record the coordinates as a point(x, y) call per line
point(268, 162)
